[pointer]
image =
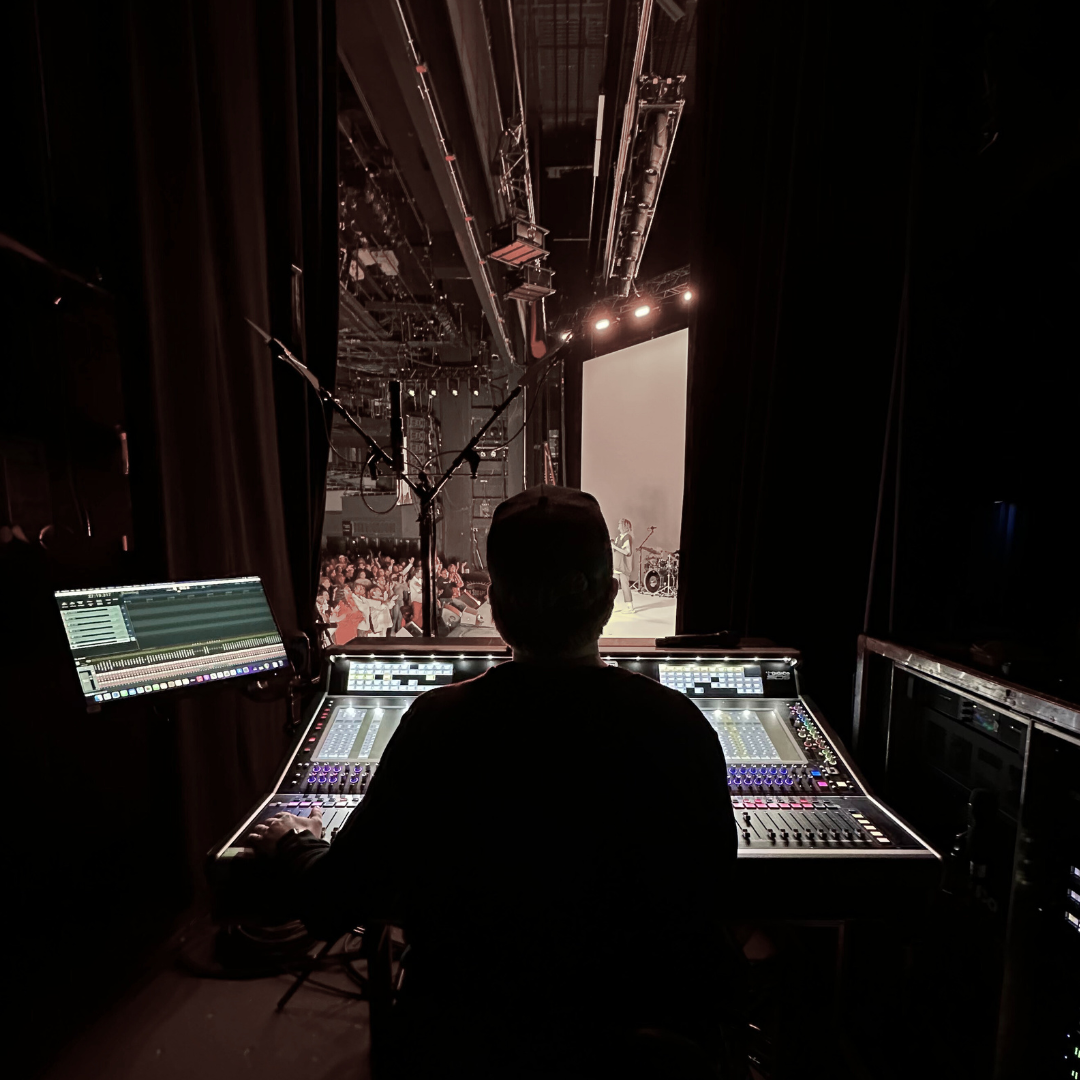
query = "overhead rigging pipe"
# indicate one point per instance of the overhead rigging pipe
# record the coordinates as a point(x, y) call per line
point(473, 251)
point(661, 133)
point(626, 136)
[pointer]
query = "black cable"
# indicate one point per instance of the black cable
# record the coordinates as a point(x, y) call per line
point(330, 442)
point(334, 450)
point(326, 429)
point(896, 386)
point(529, 412)
point(372, 510)
point(420, 464)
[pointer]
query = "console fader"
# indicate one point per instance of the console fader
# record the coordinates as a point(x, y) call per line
point(797, 798)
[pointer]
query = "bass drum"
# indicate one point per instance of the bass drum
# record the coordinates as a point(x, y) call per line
point(654, 581)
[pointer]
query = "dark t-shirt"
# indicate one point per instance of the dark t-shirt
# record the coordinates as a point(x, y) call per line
point(557, 844)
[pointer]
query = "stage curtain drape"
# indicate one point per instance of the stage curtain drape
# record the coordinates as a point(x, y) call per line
point(233, 114)
point(180, 178)
point(803, 139)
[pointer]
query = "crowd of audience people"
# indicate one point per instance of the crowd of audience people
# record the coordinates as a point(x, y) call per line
point(371, 594)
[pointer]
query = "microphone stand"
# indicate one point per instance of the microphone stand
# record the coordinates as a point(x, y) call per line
point(425, 489)
point(641, 584)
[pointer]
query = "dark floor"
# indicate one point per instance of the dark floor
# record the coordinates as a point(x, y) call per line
point(176, 1025)
point(183, 1021)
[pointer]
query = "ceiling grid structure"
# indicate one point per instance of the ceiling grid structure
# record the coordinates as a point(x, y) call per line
point(567, 40)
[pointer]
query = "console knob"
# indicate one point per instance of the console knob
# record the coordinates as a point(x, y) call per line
point(847, 834)
point(836, 834)
point(746, 818)
point(783, 834)
point(746, 834)
point(771, 835)
point(797, 835)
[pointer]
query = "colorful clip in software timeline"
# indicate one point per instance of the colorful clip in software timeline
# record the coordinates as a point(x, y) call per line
point(172, 684)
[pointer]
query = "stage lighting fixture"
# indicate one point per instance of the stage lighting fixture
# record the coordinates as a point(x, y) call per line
point(474, 386)
point(530, 283)
point(688, 296)
point(602, 324)
point(565, 335)
point(642, 310)
point(452, 386)
point(433, 392)
point(518, 242)
point(411, 391)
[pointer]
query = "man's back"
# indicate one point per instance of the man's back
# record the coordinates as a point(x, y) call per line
point(557, 843)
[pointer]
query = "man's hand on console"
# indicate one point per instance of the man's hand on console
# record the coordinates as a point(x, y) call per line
point(266, 834)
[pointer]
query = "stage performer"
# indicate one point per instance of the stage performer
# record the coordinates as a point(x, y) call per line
point(623, 547)
point(415, 584)
point(508, 884)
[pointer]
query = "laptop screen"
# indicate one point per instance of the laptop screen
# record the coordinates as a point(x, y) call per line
point(132, 640)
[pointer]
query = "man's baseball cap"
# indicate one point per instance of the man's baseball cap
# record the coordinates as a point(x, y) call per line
point(549, 546)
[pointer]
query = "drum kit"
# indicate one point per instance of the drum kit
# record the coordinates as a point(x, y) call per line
point(659, 572)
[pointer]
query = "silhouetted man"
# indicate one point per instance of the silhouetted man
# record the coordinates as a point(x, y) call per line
point(555, 837)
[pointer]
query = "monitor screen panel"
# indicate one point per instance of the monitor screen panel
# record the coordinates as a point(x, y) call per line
point(132, 640)
point(359, 729)
point(755, 734)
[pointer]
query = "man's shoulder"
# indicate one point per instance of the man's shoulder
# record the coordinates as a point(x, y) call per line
point(444, 700)
point(615, 685)
point(640, 689)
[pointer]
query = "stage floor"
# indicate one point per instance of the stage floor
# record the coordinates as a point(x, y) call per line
point(653, 617)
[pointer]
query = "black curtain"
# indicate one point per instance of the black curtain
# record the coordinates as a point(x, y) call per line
point(233, 122)
point(177, 176)
point(234, 118)
point(882, 194)
point(804, 148)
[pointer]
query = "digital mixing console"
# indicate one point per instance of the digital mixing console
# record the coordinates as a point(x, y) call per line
point(797, 798)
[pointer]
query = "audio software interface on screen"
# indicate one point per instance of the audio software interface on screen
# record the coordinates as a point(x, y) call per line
point(130, 640)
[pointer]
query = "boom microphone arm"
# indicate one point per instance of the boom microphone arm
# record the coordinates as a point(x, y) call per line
point(424, 489)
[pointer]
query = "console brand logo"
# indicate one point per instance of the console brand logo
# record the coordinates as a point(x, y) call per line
point(778, 675)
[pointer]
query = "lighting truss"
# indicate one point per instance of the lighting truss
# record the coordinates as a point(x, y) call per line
point(655, 292)
point(659, 108)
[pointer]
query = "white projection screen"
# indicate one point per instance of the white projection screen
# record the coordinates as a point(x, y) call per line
point(633, 438)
